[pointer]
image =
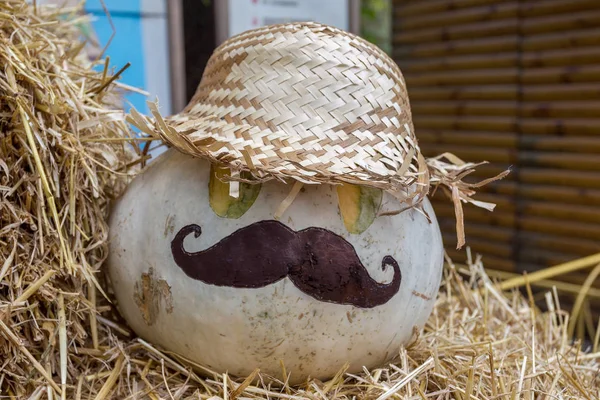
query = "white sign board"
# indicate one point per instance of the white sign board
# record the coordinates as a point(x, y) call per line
point(244, 15)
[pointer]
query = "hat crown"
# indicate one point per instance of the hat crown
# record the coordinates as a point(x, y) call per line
point(311, 85)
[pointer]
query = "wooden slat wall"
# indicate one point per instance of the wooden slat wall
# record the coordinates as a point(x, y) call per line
point(460, 60)
point(560, 64)
point(516, 83)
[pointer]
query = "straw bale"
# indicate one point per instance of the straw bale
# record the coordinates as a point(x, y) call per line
point(65, 153)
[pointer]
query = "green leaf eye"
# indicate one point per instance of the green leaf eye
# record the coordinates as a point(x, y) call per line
point(222, 203)
point(359, 206)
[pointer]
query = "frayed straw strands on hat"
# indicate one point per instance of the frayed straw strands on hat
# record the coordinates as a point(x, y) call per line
point(312, 103)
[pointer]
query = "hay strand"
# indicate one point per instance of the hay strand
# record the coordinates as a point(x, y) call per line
point(13, 338)
point(579, 301)
point(571, 266)
point(34, 287)
point(62, 335)
point(112, 379)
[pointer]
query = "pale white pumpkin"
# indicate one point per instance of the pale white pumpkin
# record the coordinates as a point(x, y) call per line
point(236, 330)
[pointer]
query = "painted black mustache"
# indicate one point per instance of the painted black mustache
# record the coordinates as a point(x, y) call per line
point(318, 262)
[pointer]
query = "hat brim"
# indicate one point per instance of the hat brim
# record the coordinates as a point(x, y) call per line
point(268, 155)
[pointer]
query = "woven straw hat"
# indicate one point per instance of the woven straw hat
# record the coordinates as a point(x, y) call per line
point(309, 102)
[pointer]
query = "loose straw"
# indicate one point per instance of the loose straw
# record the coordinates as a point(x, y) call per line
point(62, 335)
point(49, 197)
point(288, 200)
point(35, 286)
point(112, 379)
point(13, 338)
point(563, 287)
point(581, 297)
point(560, 269)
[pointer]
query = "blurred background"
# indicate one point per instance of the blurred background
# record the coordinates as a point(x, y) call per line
point(516, 83)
